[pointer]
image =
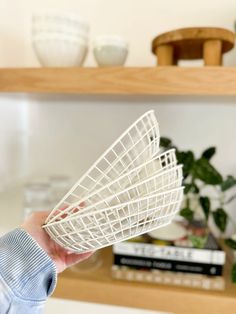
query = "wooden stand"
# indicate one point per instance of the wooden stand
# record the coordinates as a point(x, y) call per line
point(193, 43)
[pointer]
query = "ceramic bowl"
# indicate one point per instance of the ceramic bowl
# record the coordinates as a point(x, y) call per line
point(59, 51)
point(110, 51)
point(59, 21)
point(63, 33)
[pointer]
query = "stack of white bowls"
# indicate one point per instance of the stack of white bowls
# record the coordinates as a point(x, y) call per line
point(60, 39)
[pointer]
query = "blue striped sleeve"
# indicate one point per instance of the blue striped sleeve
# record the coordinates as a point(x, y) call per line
point(25, 269)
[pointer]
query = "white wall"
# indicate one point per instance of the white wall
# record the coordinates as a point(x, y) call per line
point(40, 135)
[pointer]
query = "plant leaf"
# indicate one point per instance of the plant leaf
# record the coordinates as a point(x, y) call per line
point(187, 160)
point(233, 273)
point(228, 183)
point(231, 243)
point(206, 205)
point(198, 241)
point(195, 188)
point(204, 171)
point(187, 188)
point(191, 187)
point(220, 218)
point(209, 153)
point(187, 213)
point(165, 142)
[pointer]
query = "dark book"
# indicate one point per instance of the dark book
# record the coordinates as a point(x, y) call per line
point(169, 265)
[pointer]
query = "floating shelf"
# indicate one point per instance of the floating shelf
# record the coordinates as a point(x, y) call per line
point(98, 286)
point(121, 80)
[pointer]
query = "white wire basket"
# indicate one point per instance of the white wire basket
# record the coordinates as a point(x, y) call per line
point(164, 181)
point(130, 190)
point(139, 143)
point(154, 167)
point(96, 229)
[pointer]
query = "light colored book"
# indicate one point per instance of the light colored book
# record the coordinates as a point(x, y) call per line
point(169, 278)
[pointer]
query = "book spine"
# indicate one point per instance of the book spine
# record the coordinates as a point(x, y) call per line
point(169, 278)
point(169, 265)
point(204, 256)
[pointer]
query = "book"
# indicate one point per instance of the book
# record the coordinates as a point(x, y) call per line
point(169, 278)
point(172, 254)
point(169, 265)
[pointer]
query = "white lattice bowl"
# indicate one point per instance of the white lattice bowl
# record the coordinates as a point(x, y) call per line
point(162, 181)
point(130, 190)
point(159, 173)
point(92, 230)
point(137, 145)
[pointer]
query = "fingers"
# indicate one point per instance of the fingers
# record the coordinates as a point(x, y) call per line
point(37, 218)
point(76, 258)
point(62, 212)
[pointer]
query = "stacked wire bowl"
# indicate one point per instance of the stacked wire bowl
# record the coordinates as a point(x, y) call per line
point(130, 190)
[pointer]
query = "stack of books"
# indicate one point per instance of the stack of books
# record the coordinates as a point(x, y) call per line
point(174, 262)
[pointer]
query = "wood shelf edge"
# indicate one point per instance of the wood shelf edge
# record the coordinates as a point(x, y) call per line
point(121, 80)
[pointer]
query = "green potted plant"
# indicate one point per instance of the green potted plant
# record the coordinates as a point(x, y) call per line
point(206, 192)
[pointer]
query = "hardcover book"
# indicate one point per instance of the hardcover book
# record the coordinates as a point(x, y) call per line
point(169, 278)
point(175, 254)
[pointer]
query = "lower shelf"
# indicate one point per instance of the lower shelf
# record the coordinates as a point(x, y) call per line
point(98, 286)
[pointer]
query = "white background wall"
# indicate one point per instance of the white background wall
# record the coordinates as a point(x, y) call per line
point(41, 135)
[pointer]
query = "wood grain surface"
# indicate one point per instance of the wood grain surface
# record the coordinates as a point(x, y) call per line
point(121, 80)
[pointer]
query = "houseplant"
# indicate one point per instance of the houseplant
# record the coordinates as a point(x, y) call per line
point(207, 192)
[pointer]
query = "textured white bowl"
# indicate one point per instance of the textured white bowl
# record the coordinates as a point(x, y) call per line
point(56, 51)
point(59, 27)
point(36, 32)
point(59, 20)
point(59, 36)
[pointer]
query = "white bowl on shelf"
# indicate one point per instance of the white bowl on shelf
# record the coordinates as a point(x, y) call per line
point(58, 27)
point(110, 50)
point(63, 33)
point(59, 20)
point(59, 51)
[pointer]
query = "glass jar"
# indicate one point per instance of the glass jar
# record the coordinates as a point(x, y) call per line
point(90, 264)
point(59, 187)
point(36, 197)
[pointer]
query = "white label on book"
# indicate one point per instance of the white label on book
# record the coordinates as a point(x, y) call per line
point(215, 257)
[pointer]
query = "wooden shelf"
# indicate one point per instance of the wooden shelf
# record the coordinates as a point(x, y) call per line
point(121, 80)
point(98, 286)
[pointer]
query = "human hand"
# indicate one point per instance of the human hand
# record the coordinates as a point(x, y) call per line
point(61, 257)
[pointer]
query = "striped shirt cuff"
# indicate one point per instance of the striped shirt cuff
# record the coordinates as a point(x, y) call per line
point(25, 267)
